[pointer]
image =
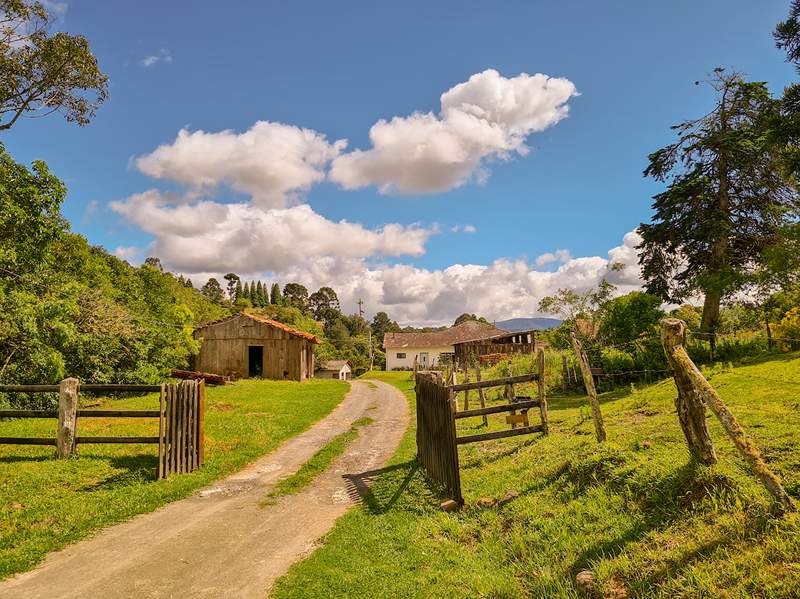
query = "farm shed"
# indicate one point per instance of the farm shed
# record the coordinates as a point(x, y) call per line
point(247, 345)
point(335, 369)
point(520, 342)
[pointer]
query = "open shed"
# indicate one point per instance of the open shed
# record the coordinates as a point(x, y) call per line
point(335, 369)
point(252, 346)
point(503, 343)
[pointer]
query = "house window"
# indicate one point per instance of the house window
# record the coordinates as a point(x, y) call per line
point(401, 356)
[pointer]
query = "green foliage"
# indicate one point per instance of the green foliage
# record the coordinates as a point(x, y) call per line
point(629, 317)
point(213, 291)
point(43, 72)
point(296, 295)
point(382, 324)
point(70, 309)
point(275, 297)
point(466, 317)
point(726, 199)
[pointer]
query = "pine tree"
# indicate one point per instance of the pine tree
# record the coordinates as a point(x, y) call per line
point(253, 293)
point(275, 297)
point(189, 283)
point(246, 291)
point(259, 301)
point(239, 293)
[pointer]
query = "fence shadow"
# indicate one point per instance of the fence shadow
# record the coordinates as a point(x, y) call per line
point(380, 490)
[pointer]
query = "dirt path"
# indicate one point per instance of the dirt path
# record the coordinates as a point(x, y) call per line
point(219, 542)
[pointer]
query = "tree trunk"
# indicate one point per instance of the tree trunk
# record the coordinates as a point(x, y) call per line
point(690, 406)
point(673, 332)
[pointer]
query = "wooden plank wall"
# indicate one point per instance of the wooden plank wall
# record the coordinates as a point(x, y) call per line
point(224, 350)
point(436, 434)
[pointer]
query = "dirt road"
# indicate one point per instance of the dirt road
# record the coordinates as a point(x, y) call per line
point(220, 542)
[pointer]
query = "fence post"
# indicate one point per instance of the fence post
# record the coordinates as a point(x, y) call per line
point(466, 380)
point(542, 391)
point(201, 422)
point(588, 381)
point(692, 385)
point(67, 417)
point(481, 392)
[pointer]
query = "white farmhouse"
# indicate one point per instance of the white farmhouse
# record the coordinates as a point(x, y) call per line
point(428, 348)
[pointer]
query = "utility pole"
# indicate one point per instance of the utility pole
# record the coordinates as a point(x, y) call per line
point(360, 303)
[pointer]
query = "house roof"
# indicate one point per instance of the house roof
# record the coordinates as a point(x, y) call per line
point(333, 365)
point(501, 335)
point(466, 331)
point(267, 321)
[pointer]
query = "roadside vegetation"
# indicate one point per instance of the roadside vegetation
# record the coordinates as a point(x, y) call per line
point(635, 511)
point(46, 503)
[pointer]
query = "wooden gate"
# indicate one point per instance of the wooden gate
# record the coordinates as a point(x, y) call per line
point(181, 422)
point(437, 412)
point(436, 433)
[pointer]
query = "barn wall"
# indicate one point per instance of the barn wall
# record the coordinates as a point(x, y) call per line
point(224, 350)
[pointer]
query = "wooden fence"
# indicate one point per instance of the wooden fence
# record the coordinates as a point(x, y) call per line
point(181, 421)
point(437, 412)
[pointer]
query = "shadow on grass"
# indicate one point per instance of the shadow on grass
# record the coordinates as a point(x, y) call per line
point(130, 468)
point(384, 489)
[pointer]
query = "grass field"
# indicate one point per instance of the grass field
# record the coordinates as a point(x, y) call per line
point(636, 511)
point(47, 503)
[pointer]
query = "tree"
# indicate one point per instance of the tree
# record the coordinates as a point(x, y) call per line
point(188, 283)
point(725, 202)
point(467, 317)
point(324, 304)
point(40, 72)
point(239, 292)
point(630, 316)
point(259, 298)
point(382, 324)
point(232, 279)
point(296, 295)
point(572, 306)
point(253, 295)
point(246, 292)
point(154, 262)
point(213, 291)
point(275, 297)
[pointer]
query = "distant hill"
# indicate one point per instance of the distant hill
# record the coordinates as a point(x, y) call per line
point(526, 324)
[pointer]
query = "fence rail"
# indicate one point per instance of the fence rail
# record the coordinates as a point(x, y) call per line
point(181, 422)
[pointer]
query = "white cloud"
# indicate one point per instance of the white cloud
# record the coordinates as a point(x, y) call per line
point(470, 229)
point(130, 254)
point(274, 163)
point(163, 55)
point(207, 236)
point(487, 117)
point(550, 257)
point(503, 289)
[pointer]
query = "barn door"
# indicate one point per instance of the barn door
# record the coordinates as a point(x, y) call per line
point(255, 361)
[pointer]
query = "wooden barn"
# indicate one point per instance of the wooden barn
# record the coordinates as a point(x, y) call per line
point(500, 344)
point(250, 346)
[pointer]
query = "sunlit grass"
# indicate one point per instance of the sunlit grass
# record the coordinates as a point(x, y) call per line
point(47, 503)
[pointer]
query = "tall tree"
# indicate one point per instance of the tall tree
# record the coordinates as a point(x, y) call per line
point(275, 297)
point(213, 291)
point(725, 200)
point(239, 292)
point(232, 279)
point(296, 295)
point(324, 304)
point(259, 301)
point(43, 72)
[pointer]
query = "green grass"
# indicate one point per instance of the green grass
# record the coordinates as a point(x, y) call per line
point(319, 462)
point(47, 503)
point(636, 511)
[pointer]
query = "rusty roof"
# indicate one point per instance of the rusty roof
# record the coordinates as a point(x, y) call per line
point(466, 331)
point(264, 320)
point(501, 335)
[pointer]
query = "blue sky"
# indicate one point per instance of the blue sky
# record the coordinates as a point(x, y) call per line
point(337, 68)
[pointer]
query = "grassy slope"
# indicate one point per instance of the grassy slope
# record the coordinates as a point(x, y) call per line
point(636, 511)
point(45, 503)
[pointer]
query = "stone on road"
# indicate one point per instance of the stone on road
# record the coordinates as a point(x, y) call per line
point(221, 542)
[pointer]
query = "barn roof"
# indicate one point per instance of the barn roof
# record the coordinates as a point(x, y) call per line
point(333, 365)
point(466, 331)
point(264, 320)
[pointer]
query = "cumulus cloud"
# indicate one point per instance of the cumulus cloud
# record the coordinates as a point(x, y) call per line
point(273, 163)
point(128, 253)
point(163, 55)
point(503, 289)
point(550, 257)
point(487, 117)
point(207, 236)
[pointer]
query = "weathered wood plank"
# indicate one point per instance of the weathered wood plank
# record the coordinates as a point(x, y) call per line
point(161, 433)
point(28, 414)
point(521, 378)
point(118, 413)
point(499, 434)
point(201, 424)
point(531, 403)
point(27, 441)
point(67, 417)
point(121, 439)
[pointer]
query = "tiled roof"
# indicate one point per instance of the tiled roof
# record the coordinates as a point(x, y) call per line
point(267, 321)
point(466, 331)
point(333, 365)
